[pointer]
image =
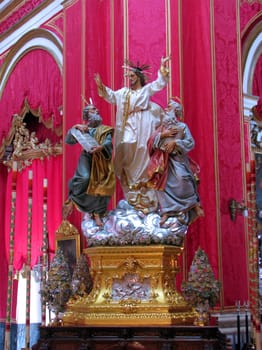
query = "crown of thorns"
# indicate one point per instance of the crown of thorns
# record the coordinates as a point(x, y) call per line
point(137, 67)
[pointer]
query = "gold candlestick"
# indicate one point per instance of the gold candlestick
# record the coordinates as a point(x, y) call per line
point(44, 249)
point(11, 260)
point(28, 263)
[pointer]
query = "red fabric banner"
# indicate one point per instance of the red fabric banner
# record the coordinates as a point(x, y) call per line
point(198, 106)
point(229, 138)
point(50, 169)
point(147, 37)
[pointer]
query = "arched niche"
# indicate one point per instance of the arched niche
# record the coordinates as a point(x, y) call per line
point(35, 39)
point(251, 52)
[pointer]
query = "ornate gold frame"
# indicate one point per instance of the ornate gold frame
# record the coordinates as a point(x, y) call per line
point(68, 239)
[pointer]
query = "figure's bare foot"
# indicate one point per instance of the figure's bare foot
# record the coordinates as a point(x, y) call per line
point(199, 211)
point(98, 220)
point(67, 209)
point(163, 219)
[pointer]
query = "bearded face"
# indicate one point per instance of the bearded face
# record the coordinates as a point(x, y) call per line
point(94, 120)
point(175, 107)
point(133, 79)
point(169, 119)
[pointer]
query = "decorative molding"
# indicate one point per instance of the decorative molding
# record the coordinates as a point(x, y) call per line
point(17, 12)
point(250, 2)
point(32, 20)
point(53, 24)
point(68, 3)
point(8, 7)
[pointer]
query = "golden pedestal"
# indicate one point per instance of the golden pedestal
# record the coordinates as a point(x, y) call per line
point(133, 285)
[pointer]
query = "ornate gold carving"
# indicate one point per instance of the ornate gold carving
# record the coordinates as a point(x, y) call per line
point(24, 146)
point(67, 238)
point(111, 319)
point(66, 229)
point(129, 306)
point(134, 285)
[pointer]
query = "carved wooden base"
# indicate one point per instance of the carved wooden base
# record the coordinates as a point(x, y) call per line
point(127, 338)
point(133, 285)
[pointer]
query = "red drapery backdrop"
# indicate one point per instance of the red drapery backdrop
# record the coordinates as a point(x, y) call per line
point(198, 105)
point(206, 62)
point(37, 78)
point(229, 127)
point(50, 169)
point(99, 51)
point(74, 80)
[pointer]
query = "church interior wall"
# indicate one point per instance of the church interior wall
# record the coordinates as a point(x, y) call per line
point(52, 67)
